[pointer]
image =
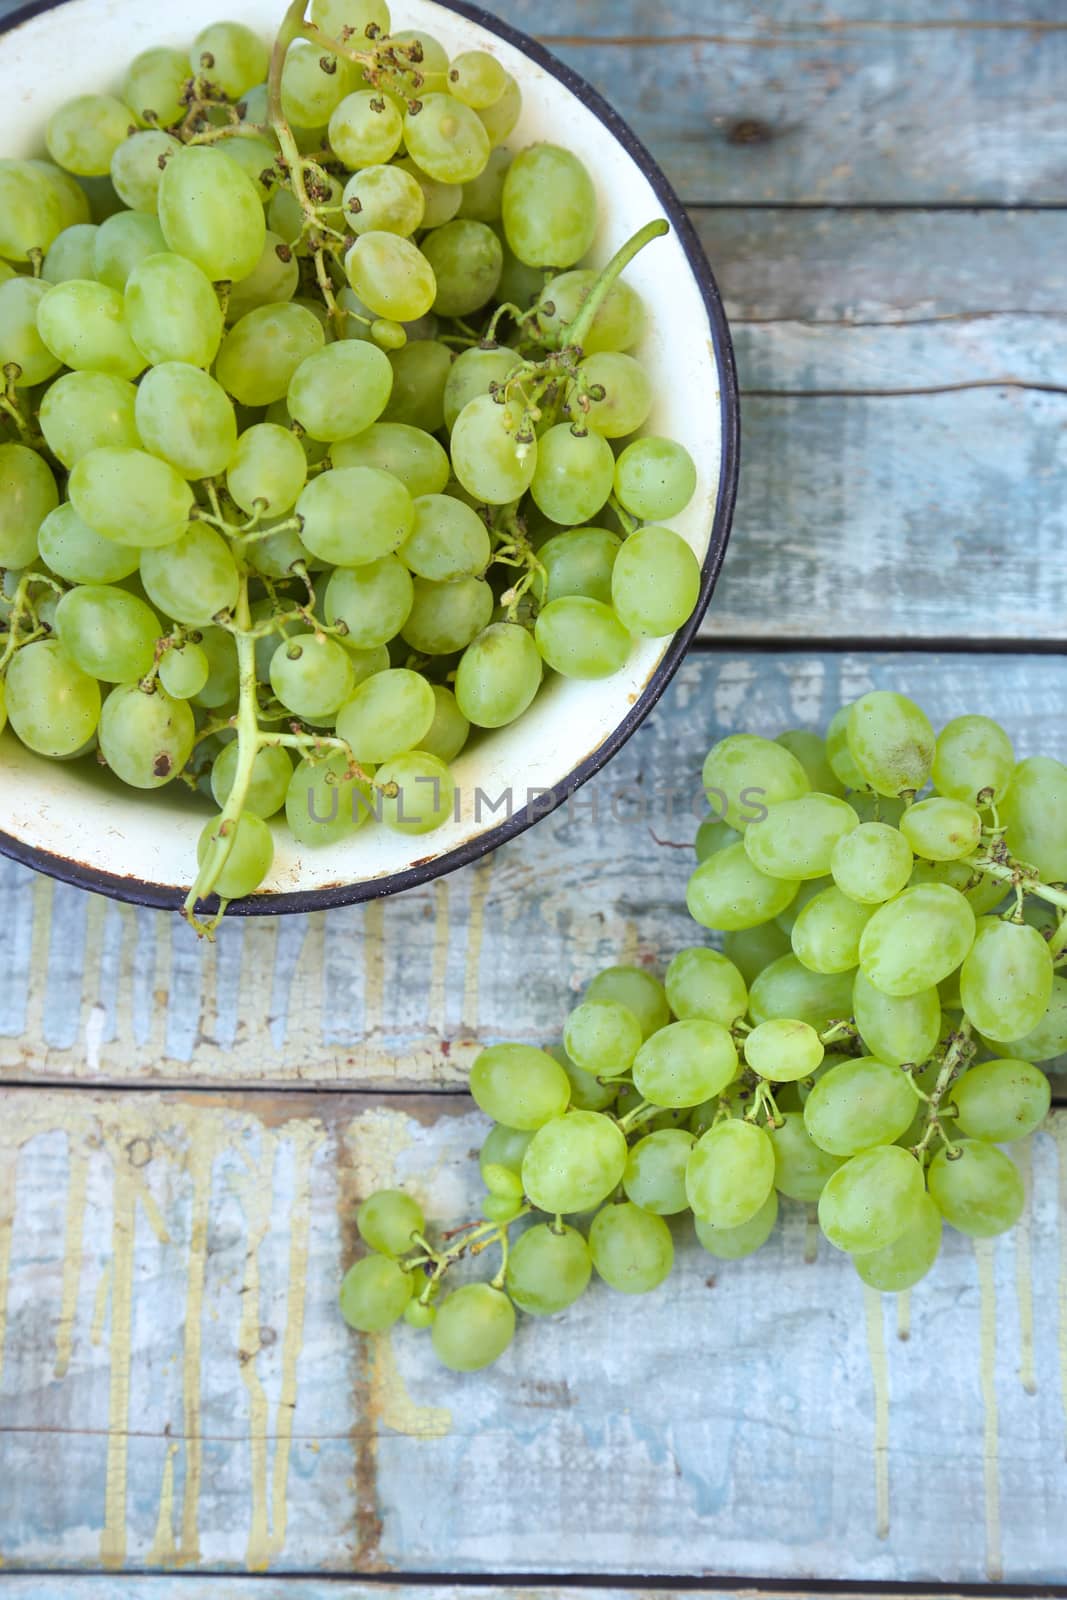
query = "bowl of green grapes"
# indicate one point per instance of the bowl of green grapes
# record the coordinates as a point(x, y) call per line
point(368, 445)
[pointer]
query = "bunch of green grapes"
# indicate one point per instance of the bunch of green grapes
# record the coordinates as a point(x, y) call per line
point(892, 974)
point(319, 444)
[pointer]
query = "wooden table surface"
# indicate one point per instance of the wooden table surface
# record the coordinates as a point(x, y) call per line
point(185, 1129)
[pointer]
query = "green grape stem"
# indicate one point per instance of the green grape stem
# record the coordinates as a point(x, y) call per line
point(960, 1051)
point(576, 332)
point(477, 1236)
point(1024, 879)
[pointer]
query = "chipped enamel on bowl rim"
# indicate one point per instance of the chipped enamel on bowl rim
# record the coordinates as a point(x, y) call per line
point(83, 827)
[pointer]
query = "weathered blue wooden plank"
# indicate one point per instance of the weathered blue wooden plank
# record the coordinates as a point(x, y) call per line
point(178, 1389)
point(829, 109)
point(845, 267)
point(396, 994)
point(161, 1586)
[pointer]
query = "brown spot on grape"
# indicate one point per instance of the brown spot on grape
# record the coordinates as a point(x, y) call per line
point(163, 765)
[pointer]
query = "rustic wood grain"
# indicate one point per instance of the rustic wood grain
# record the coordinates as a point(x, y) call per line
point(823, 105)
point(165, 1586)
point(396, 995)
point(178, 1389)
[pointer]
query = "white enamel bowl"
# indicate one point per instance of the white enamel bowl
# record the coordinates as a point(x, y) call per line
point(77, 824)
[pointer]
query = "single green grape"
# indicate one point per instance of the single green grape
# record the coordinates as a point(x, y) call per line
point(857, 1105)
point(504, 1147)
point(733, 1244)
point(827, 932)
point(500, 118)
point(1006, 979)
point(582, 638)
point(441, 200)
point(473, 1327)
point(314, 84)
point(447, 540)
point(374, 1294)
point(519, 1086)
point(21, 344)
point(655, 478)
point(121, 243)
point(154, 87)
point(184, 671)
point(446, 617)
point(976, 1188)
point(85, 412)
point(274, 279)
point(145, 738)
point(84, 326)
point(51, 704)
point(387, 1219)
point(940, 829)
point(714, 835)
point(130, 496)
point(872, 1200)
point(250, 857)
point(28, 494)
point(491, 456)
point(917, 939)
point(483, 197)
point(418, 793)
point(498, 676)
point(32, 211)
point(786, 988)
point(268, 465)
point(383, 198)
point(730, 1173)
point(446, 139)
point(312, 677)
point(473, 373)
point(137, 169)
point(260, 355)
point(373, 601)
point(410, 454)
point(655, 582)
point(106, 632)
point(891, 742)
point(74, 552)
point(84, 133)
point(703, 984)
point(476, 78)
point(685, 1063)
point(391, 275)
point(617, 394)
point(574, 1162)
point(339, 391)
point(783, 1049)
point(224, 674)
point(810, 750)
point(355, 515)
point(973, 761)
point(580, 561)
point(388, 714)
point(362, 17)
point(753, 949)
point(467, 260)
point(186, 418)
point(1035, 814)
point(796, 839)
point(231, 56)
point(727, 892)
point(548, 1269)
point(211, 213)
point(1001, 1100)
point(549, 207)
point(70, 255)
point(573, 476)
point(365, 128)
point(872, 863)
point(905, 1262)
point(602, 1037)
point(897, 1029)
point(172, 311)
point(632, 1249)
point(655, 1171)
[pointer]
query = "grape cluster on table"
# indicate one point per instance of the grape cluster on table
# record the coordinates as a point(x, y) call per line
point(319, 442)
point(892, 908)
